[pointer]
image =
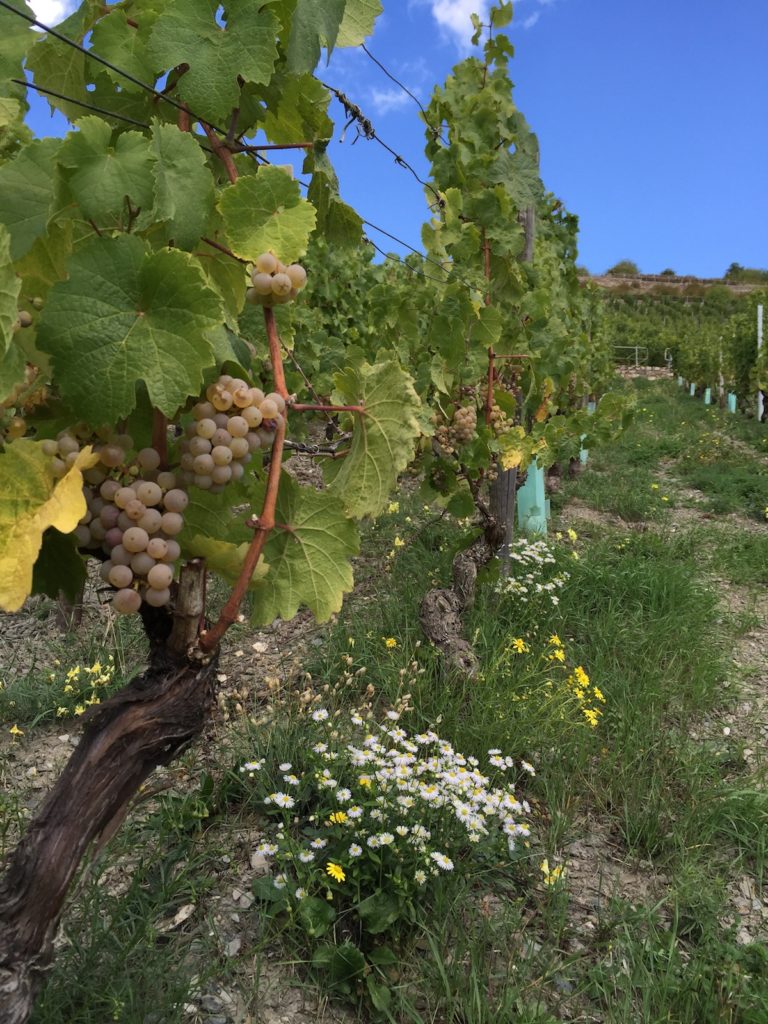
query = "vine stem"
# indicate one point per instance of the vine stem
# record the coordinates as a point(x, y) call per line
point(264, 523)
point(491, 353)
point(185, 121)
point(312, 407)
point(285, 145)
point(221, 151)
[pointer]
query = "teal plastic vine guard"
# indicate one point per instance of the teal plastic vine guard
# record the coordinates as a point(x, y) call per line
point(584, 452)
point(707, 396)
point(532, 503)
point(679, 382)
point(693, 390)
point(731, 402)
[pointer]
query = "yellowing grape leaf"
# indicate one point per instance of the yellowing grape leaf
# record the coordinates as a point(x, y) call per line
point(265, 211)
point(382, 439)
point(513, 448)
point(357, 23)
point(9, 292)
point(223, 558)
point(31, 500)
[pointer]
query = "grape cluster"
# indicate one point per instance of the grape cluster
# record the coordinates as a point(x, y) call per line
point(272, 283)
point(133, 513)
point(233, 423)
point(460, 431)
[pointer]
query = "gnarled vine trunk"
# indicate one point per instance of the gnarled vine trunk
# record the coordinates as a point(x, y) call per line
point(146, 724)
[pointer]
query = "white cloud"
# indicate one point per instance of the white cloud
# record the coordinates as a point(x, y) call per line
point(531, 20)
point(454, 18)
point(384, 100)
point(51, 12)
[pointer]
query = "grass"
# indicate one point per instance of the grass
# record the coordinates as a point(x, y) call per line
point(641, 614)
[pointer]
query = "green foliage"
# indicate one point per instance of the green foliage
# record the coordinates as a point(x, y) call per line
point(624, 268)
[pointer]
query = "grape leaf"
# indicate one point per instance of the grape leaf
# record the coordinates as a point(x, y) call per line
point(46, 261)
point(16, 36)
point(187, 33)
point(125, 45)
point(59, 568)
point(127, 315)
point(223, 558)
point(315, 23)
point(31, 500)
point(183, 185)
point(26, 193)
point(265, 211)
point(61, 67)
point(298, 112)
point(308, 555)
point(12, 367)
point(336, 221)
point(10, 111)
point(357, 23)
point(10, 286)
point(103, 177)
point(383, 437)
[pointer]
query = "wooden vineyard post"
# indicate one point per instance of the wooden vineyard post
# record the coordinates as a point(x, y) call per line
point(502, 496)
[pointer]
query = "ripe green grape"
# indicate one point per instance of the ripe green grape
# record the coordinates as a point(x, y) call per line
point(172, 524)
point(158, 548)
point(165, 480)
point(135, 509)
point(237, 426)
point(135, 539)
point(221, 456)
point(297, 275)
point(157, 598)
point(151, 520)
point(123, 495)
point(176, 500)
point(120, 576)
point(148, 459)
point(206, 428)
point(160, 576)
point(269, 409)
point(127, 602)
point(142, 562)
point(203, 465)
point(281, 285)
point(266, 263)
point(150, 493)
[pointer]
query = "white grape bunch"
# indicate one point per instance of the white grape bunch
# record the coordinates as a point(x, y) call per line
point(272, 283)
point(460, 431)
point(133, 515)
point(232, 424)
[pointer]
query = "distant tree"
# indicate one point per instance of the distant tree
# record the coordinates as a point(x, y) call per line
point(737, 274)
point(582, 271)
point(668, 272)
point(624, 268)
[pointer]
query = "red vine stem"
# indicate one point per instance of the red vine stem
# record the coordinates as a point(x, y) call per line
point(263, 526)
point(185, 121)
point(222, 248)
point(275, 353)
point(221, 152)
point(311, 407)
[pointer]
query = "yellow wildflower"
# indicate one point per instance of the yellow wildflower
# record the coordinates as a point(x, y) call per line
point(389, 642)
point(598, 694)
point(73, 673)
point(555, 640)
point(664, 497)
point(654, 487)
point(69, 688)
point(591, 715)
point(350, 641)
point(399, 542)
point(61, 712)
point(581, 676)
point(15, 730)
point(576, 555)
point(79, 709)
point(393, 507)
point(338, 818)
point(95, 668)
point(519, 645)
point(553, 876)
point(557, 655)
point(336, 871)
point(365, 780)
point(572, 534)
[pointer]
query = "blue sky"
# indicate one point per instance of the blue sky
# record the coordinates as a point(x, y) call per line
point(652, 119)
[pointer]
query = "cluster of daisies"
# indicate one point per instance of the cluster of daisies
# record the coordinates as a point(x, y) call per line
point(378, 808)
point(532, 575)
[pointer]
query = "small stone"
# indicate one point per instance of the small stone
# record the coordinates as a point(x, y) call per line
point(232, 948)
point(211, 1004)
